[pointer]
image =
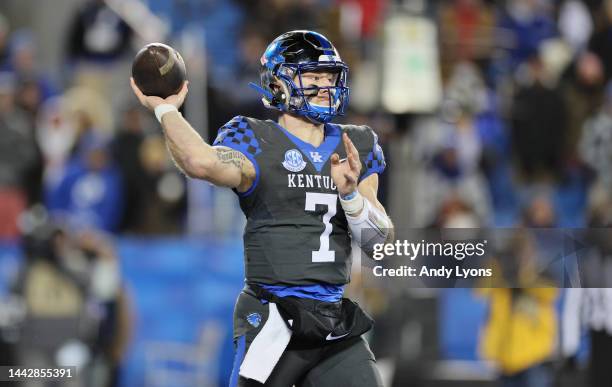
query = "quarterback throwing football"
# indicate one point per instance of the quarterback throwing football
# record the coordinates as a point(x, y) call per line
point(307, 188)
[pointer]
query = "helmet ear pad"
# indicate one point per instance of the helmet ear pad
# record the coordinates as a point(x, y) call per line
point(280, 92)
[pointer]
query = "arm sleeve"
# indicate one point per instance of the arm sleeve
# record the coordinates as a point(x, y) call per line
point(238, 135)
point(373, 157)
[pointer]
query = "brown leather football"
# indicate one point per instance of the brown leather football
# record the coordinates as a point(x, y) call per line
point(159, 70)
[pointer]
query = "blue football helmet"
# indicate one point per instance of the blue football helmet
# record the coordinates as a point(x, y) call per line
point(282, 65)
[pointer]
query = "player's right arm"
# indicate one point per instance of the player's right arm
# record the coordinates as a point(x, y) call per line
point(219, 165)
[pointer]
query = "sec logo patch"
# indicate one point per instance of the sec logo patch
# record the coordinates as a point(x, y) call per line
point(294, 161)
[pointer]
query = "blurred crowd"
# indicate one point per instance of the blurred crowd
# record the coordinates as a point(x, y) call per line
point(93, 159)
point(521, 122)
point(504, 119)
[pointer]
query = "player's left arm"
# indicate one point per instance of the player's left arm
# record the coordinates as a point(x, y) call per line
point(368, 188)
point(366, 216)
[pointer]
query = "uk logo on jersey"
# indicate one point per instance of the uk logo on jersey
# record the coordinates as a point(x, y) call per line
point(316, 157)
point(254, 319)
point(294, 161)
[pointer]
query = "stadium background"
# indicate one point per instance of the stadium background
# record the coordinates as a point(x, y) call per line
point(491, 114)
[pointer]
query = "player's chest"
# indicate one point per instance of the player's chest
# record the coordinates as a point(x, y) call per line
point(288, 172)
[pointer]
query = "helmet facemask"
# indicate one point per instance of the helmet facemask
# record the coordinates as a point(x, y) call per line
point(292, 94)
point(296, 96)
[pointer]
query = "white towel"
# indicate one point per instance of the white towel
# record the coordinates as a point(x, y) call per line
point(267, 347)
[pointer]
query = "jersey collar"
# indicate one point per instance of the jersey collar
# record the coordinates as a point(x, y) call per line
point(318, 156)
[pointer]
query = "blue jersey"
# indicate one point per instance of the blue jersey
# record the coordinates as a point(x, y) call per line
point(296, 232)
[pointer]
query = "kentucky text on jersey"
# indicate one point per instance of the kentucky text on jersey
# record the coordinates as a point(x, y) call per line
point(300, 180)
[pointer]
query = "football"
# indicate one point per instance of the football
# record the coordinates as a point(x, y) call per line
point(159, 70)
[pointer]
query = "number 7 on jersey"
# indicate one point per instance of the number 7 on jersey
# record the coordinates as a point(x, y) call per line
point(324, 254)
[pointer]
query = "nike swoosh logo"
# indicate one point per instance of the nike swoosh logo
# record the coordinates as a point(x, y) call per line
point(330, 336)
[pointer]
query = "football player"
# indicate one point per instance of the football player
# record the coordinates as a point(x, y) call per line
point(307, 188)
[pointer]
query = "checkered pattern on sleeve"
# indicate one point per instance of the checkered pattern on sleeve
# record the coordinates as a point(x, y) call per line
point(375, 162)
point(238, 135)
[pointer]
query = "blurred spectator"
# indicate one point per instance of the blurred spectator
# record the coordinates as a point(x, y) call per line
point(165, 198)
point(153, 190)
point(29, 97)
point(18, 158)
point(466, 32)
point(539, 124)
point(456, 213)
point(599, 212)
point(589, 306)
point(231, 98)
point(522, 27)
point(452, 149)
point(601, 40)
point(496, 161)
point(75, 306)
point(596, 142)
point(575, 24)
point(55, 135)
point(97, 34)
point(126, 151)
point(520, 334)
point(89, 193)
point(520, 331)
point(539, 213)
point(107, 304)
point(89, 111)
point(583, 87)
point(26, 63)
point(97, 43)
point(33, 87)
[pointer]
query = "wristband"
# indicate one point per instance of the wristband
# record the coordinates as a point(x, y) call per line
point(162, 109)
point(352, 203)
point(349, 196)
